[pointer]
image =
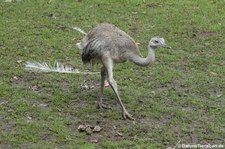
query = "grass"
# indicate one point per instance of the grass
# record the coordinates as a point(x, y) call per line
point(180, 97)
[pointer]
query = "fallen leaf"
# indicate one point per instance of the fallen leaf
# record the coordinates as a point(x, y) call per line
point(43, 105)
point(15, 77)
point(207, 44)
point(213, 73)
point(119, 134)
point(50, 1)
point(35, 88)
point(10, 110)
point(153, 93)
point(91, 87)
point(53, 16)
point(219, 95)
point(3, 102)
point(19, 61)
point(94, 141)
point(29, 117)
point(84, 87)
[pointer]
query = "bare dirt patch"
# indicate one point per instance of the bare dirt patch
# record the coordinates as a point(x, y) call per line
point(205, 34)
point(153, 5)
point(24, 81)
point(39, 83)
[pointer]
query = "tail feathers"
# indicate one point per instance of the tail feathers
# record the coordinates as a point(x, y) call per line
point(88, 52)
point(57, 67)
point(79, 30)
point(87, 56)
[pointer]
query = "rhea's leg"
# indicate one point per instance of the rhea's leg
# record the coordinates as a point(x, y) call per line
point(108, 63)
point(103, 78)
point(113, 84)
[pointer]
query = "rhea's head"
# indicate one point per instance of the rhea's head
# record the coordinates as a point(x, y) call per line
point(157, 42)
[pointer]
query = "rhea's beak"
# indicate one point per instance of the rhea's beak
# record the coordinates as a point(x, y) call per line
point(166, 46)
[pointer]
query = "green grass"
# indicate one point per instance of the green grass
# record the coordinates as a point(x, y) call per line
point(180, 97)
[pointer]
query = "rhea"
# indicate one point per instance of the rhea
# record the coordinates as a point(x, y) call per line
point(107, 44)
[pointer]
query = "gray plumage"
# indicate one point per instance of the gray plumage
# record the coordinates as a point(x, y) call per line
point(107, 44)
point(107, 38)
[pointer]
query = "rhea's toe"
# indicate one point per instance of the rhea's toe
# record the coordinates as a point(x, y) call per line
point(127, 115)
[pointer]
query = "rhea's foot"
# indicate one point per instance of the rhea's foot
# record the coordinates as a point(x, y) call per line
point(101, 105)
point(127, 115)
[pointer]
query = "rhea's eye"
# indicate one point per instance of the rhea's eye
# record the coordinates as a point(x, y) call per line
point(156, 41)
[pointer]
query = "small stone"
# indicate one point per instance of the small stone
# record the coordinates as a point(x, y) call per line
point(97, 128)
point(1, 117)
point(94, 141)
point(88, 130)
point(81, 128)
point(91, 126)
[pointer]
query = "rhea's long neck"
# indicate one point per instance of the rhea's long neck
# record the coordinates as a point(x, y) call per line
point(144, 61)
